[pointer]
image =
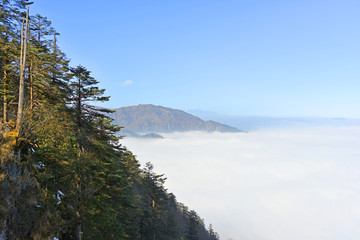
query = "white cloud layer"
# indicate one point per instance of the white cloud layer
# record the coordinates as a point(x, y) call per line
point(266, 185)
point(127, 83)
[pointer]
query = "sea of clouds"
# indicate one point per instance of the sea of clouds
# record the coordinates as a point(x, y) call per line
point(265, 185)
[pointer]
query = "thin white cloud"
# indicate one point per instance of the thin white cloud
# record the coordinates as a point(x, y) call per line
point(127, 83)
point(266, 185)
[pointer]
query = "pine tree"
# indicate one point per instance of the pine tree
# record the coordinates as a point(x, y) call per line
point(192, 231)
point(212, 234)
point(96, 151)
point(10, 16)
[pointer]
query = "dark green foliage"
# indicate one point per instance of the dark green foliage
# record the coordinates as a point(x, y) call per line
point(192, 232)
point(155, 214)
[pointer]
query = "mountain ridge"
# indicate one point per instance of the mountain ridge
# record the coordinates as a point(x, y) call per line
point(148, 118)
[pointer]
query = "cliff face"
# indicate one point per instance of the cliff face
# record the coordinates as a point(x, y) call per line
point(149, 118)
point(18, 190)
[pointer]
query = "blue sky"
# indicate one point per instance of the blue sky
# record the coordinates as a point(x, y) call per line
point(244, 57)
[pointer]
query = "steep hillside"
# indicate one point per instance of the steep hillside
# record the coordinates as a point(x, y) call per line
point(147, 118)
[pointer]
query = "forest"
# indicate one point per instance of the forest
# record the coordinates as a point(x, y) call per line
point(64, 173)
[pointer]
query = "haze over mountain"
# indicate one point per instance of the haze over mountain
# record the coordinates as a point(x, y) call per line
point(252, 123)
point(147, 118)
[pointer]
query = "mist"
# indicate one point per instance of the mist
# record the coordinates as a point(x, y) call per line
point(265, 185)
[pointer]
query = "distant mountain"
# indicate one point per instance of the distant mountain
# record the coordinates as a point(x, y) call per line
point(147, 118)
point(129, 133)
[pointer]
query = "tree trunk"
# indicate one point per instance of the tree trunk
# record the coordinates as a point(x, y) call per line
point(79, 146)
point(54, 63)
point(5, 92)
point(22, 70)
point(31, 86)
point(78, 227)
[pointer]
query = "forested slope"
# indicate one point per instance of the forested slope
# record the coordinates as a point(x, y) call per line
point(63, 174)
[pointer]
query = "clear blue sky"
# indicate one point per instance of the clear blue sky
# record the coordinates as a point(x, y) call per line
point(243, 57)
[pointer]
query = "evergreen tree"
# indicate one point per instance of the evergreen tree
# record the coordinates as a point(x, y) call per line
point(11, 17)
point(192, 231)
point(85, 117)
point(99, 167)
point(212, 234)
